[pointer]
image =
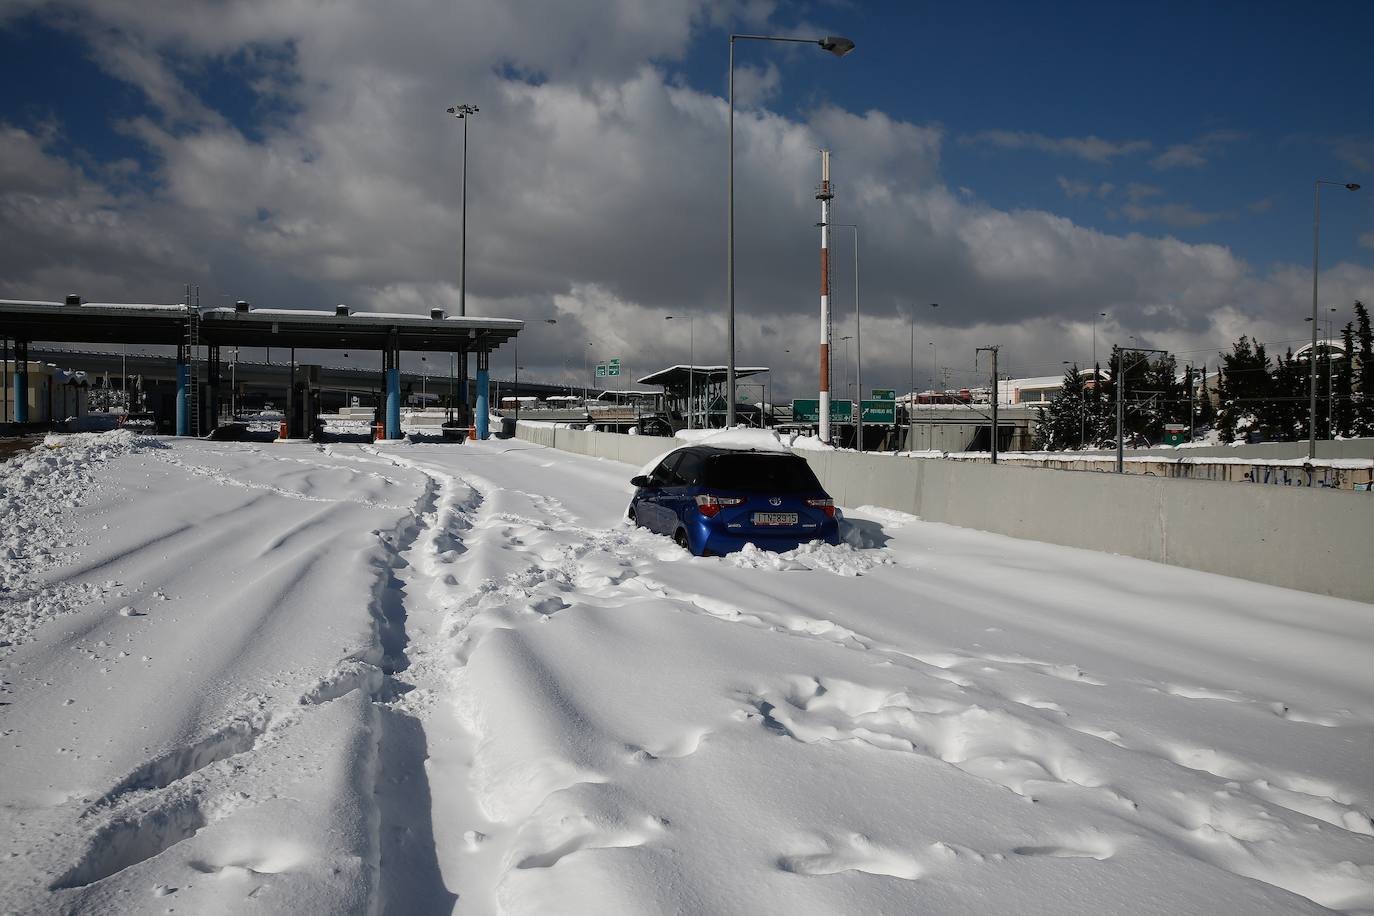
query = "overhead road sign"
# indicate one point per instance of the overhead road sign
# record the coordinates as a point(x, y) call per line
point(880, 412)
point(884, 394)
point(808, 410)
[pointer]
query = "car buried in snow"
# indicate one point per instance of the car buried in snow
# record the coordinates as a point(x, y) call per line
point(714, 500)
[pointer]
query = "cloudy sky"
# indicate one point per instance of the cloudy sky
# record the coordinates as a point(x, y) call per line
point(1026, 169)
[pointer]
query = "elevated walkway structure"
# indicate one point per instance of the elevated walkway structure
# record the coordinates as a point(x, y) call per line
point(189, 329)
point(695, 395)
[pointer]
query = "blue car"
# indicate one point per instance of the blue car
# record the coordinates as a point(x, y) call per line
point(714, 501)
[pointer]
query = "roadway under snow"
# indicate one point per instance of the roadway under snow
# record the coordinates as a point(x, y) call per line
point(426, 678)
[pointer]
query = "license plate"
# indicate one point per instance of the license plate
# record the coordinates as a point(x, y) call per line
point(775, 518)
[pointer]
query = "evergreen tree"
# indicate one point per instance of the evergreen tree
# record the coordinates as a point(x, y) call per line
point(1362, 406)
point(1284, 411)
point(1206, 414)
point(1062, 423)
point(1153, 396)
point(1243, 385)
point(1344, 416)
point(1097, 406)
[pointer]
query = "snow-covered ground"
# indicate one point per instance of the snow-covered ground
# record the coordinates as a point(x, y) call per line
point(243, 678)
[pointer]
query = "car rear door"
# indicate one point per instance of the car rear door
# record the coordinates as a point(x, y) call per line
point(651, 510)
point(678, 496)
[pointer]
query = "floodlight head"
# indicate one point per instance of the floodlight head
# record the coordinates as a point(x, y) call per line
point(1352, 187)
point(459, 111)
point(836, 45)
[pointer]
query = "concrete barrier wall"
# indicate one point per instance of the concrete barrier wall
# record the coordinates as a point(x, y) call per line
point(1310, 539)
point(633, 450)
point(1269, 451)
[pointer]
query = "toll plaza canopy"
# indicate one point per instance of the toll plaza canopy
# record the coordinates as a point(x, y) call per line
point(189, 328)
point(339, 329)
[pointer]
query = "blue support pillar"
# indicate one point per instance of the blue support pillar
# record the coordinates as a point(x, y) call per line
point(21, 381)
point(482, 414)
point(393, 402)
point(183, 399)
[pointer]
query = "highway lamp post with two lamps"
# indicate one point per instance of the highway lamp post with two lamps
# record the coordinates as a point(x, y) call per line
point(1312, 354)
point(835, 45)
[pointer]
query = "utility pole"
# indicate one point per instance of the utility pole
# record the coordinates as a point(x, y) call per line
point(993, 350)
point(1192, 404)
point(1120, 382)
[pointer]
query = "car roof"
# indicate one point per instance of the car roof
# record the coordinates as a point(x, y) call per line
point(710, 451)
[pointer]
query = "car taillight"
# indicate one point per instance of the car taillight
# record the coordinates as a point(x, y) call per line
point(710, 505)
point(827, 504)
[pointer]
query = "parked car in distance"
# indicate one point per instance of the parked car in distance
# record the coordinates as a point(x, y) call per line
point(715, 500)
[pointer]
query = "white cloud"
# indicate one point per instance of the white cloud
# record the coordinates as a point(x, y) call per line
point(1091, 148)
point(1078, 189)
point(1181, 216)
point(1196, 153)
point(596, 197)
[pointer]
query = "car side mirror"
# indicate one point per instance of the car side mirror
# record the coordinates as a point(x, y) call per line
point(641, 480)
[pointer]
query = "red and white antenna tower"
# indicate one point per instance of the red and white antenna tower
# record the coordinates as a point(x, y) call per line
point(823, 194)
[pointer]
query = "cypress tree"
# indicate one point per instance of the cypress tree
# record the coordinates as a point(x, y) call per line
point(1363, 370)
point(1343, 415)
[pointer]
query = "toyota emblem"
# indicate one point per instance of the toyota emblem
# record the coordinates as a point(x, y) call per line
point(774, 501)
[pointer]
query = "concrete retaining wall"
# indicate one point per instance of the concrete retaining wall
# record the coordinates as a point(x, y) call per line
point(1310, 539)
point(633, 450)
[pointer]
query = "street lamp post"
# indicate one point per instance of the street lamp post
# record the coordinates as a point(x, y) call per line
point(835, 45)
point(1312, 354)
point(1096, 315)
point(463, 113)
point(691, 366)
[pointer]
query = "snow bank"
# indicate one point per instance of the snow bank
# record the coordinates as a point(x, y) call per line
point(39, 491)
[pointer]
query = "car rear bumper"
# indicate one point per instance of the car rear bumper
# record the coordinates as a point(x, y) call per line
point(710, 538)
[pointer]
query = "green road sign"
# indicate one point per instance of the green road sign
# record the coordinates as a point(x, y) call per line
point(613, 368)
point(616, 362)
point(809, 411)
point(600, 370)
point(884, 394)
point(882, 412)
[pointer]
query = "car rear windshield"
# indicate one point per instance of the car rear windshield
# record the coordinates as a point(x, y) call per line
point(767, 473)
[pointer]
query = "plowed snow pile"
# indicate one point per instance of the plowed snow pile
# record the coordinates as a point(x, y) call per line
point(429, 679)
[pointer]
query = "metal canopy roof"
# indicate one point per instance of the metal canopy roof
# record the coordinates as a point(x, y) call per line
point(675, 376)
point(100, 322)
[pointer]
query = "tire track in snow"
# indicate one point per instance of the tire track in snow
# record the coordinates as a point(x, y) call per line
point(523, 559)
point(171, 798)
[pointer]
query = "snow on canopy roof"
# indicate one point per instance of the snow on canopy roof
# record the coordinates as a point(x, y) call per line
point(308, 315)
point(678, 375)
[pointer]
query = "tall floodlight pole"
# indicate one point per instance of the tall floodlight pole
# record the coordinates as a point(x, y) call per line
point(911, 397)
point(691, 365)
point(835, 45)
point(1312, 354)
point(463, 113)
